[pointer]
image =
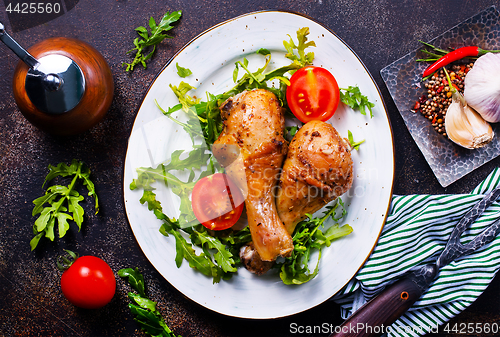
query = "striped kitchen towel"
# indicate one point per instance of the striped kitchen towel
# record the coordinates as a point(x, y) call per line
point(416, 231)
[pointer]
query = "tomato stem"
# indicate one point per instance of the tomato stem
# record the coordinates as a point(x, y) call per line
point(63, 262)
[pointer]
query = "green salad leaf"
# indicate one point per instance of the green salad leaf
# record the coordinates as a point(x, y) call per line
point(355, 145)
point(147, 41)
point(217, 256)
point(144, 309)
point(353, 97)
point(196, 159)
point(61, 204)
point(297, 53)
point(204, 117)
point(183, 72)
point(309, 236)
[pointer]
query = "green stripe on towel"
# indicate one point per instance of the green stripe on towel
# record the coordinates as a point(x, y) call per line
point(415, 232)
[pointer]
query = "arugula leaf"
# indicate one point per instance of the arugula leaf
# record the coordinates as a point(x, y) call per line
point(291, 131)
point(204, 117)
point(354, 145)
point(181, 93)
point(353, 98)
point(147, 41)
point(75, 168)
point(308, 236)
point(222, 256)
point(196, 159)
point(192, 128)
point(184, 250)
point(259, 78)
point(144, 309)
point(183, 72)
point(135, 279)
point(216, 260)
point(302, 59)
point(61, 203)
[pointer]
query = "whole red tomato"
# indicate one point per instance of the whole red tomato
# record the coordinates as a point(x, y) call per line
point(88, 283)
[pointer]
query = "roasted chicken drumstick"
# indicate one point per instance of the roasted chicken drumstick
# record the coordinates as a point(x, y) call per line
point(251, 147)
point(318, 169)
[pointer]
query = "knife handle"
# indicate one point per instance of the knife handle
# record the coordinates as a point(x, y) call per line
point(373, 318)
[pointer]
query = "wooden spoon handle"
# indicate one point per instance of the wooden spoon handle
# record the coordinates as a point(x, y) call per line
point(373, 318)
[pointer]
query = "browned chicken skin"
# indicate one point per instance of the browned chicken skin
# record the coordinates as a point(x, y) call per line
point(318, 169)
point(252, 149)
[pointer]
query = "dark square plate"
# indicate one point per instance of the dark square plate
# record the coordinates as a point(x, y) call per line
point(448, 161)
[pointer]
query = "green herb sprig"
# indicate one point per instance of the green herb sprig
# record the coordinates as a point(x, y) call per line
point(355, 145)
point(218, 258)
point(353, 97)
point(150, 41)
point(144, 309)
point(204, 117)
point(434, 54)
point(308, 236)
point(260, 78)
point(61, 203)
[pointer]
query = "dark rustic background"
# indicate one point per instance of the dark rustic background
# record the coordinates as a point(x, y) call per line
point(31, 303)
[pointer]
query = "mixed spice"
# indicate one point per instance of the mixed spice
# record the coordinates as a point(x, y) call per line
point(434, 103)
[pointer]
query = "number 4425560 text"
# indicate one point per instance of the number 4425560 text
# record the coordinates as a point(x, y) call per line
point(33, 8)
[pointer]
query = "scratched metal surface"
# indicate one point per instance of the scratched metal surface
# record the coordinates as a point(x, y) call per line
point(31, 304)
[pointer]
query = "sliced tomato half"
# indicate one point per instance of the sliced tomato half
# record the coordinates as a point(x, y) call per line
point(313, 94)
point(217, 202)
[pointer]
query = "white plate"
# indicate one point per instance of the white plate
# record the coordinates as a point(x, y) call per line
point(211, 57)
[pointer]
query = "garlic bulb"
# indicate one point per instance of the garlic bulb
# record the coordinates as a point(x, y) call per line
point(466, 127)
point(482, 87)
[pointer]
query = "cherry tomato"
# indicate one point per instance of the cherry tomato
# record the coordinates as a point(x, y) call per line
point(217, 202)
point(313, 94)
point(88, 283)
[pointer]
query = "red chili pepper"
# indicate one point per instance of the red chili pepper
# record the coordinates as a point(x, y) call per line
point(455, 55)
